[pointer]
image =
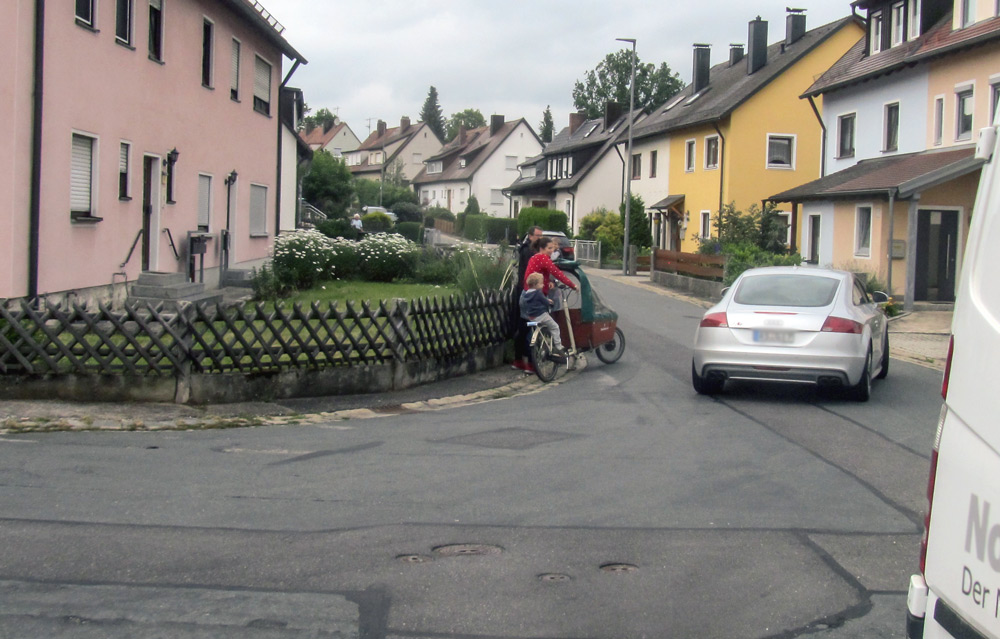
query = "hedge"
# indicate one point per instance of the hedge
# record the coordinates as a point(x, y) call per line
point(548, 219)
point(413, 231)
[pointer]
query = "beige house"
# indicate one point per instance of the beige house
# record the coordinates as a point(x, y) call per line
point(336, 138)
point(408, 144)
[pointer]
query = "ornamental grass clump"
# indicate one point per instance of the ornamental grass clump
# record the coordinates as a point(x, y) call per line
point(386, 257)
point(483, 269)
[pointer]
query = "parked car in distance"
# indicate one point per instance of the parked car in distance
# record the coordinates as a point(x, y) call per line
point(379, 209)
point(955, 594)
point(565, 249)
point(793, 324)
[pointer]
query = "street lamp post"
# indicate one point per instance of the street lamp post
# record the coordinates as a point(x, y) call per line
point(628, 162)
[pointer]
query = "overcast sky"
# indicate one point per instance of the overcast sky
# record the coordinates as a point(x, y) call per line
point(376, 59)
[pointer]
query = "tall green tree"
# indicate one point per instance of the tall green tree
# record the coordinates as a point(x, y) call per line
point(610, 80)
point(328, 185)
point(322, 118)
point(432, 115)
point(639, 233)
point(470, 119)
point(547, 128)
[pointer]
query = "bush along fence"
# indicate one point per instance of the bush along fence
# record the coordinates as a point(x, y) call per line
point(211, 353)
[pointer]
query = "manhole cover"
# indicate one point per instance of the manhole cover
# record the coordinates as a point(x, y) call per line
point(414, 559)
point(619, 568)
point(460, 550)
point(553, 577)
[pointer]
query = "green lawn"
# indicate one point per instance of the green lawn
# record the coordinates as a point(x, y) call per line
point(358, 291)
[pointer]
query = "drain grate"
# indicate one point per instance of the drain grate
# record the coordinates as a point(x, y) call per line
point(464, 550)
point(414, 559)
point(619, 568)
point(554, 577)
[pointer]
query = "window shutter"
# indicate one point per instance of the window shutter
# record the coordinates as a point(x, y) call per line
point(236, 69)
point(80, 178)
point(156, 4)
point(204, 199)
point(262, 80)
point(258, 209)
point(123, 158)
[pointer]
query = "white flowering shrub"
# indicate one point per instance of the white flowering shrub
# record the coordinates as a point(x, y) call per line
point(301, 258)
point(345, 259)
point(385, 257)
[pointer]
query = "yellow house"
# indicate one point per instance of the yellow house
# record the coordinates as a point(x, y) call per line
point(738, 132)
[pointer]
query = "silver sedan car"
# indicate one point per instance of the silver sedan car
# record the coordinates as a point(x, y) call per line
point(793, 324)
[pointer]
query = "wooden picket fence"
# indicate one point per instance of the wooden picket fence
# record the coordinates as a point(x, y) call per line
point(41, 338)
point(692, 264)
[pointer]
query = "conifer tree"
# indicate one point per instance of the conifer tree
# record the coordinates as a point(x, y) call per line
point(431, 114)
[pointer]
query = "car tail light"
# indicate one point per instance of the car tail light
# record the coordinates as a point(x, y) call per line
point(930, 488)
point(841, 325)
point(567, 252)
point(715, 320)
point(947, 368)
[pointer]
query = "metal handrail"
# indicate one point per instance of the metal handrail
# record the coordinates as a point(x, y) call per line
point(131, 250)
point(170, 238)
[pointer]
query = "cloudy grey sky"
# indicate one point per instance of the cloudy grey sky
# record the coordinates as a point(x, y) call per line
point(376, 59)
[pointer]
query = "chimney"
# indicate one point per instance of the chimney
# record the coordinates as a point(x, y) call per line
point(381, 128)
point(702, 64)
point(735, 54)
point(612, 111)
point(757, 48)
point(496, 121)
point(461, 134)
point(795, 25)
point(576, 120)
point(404, 124)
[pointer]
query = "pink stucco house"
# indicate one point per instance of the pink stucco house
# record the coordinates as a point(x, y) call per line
point(129, 125)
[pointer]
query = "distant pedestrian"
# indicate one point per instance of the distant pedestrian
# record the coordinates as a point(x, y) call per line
point(356, 223)
point(525, 251)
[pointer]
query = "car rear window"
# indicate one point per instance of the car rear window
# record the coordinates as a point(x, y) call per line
point(786, 290)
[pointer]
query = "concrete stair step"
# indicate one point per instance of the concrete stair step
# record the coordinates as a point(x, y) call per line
point(168, 292)
point(208, 297)
point(154, 278)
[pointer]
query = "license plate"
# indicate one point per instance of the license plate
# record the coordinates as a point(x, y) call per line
point(773, 337)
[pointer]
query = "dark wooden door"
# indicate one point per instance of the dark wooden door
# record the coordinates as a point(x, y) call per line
point(148, 171)
point(937, 256)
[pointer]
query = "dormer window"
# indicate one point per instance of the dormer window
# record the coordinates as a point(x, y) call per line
point(435, 167)
point(461, 163)
point(875, 32)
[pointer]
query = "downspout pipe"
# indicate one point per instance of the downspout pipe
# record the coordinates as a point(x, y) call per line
point(822, 142)
point(722, 162)
point(888, 248)
point(34, 215)
point(277, 206)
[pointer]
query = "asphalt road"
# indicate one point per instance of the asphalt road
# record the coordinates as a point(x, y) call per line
point(616, 504)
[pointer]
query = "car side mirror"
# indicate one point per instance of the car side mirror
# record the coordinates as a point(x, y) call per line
point(879, 297)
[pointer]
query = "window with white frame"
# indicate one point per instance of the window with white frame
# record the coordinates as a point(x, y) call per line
point(207, 47)
point(435, 167)
point(863, 231)
point(496, 197)
point(968, 12)
point(261, 86)
point(875, 32)
point(914, 19)
point(845, 135)
point(636, 166)
point(123, 21)
point(890, 132)
point(568, 207)
point(375, 157)
point(234, 67)
point(896, 23)
point(511, 162)
point(712, 152)
point(994, 100)
point(258, 210)
point(81, 176)
point(461, 163)
point(156, 30)
point(938, 120)
point(706, 224)
point(781, 151)
point(690, 148)
point(786, 219)
point(964, 109)
point(418, 158)
point(85, 14)
point(204, 202)
point(124, 160)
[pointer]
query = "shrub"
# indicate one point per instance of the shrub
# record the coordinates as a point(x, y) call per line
point(302, 258)
point(439, 212)
point(338, 227)
point(501, 229)
point(548, 219)
point(408, 212)
point(639, 233)
point(435, 266)
point(474, 227)
point(385, 257)
point(472, 206)
point(592, 221)
point(481, 269)
point(345, 259)
point(413, 231)
point(266, 285)
point(741, 257)
point(376, 222)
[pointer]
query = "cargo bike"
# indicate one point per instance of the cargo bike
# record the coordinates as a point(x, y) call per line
point(585, 323)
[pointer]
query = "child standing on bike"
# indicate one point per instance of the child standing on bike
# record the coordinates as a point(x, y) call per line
point(541, 262)
point(535, 307)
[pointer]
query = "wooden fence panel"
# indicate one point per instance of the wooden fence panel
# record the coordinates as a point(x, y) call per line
point(696, 264)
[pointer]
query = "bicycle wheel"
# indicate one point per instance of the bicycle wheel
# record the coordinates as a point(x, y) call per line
point(541, 356)
point(611, 352)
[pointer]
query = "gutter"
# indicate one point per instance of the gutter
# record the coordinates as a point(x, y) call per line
point(277, 205)
point(722, 162)
point(822, 144)
point(34, 215)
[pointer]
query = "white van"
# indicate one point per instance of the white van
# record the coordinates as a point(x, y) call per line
point(957, 593)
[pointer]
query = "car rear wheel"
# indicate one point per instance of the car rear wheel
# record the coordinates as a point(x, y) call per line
point(611, 352)
point(705, 385)
point(862, 391)
point(885, 359)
